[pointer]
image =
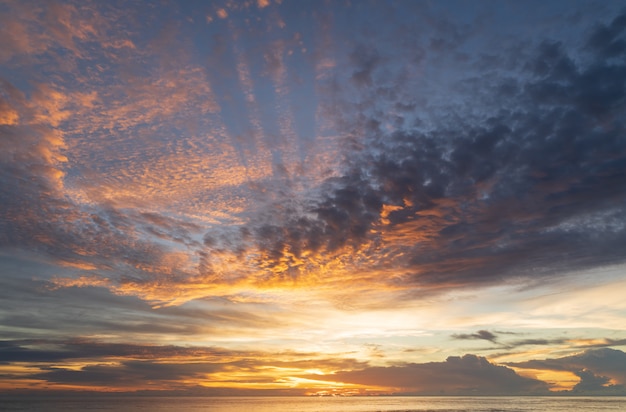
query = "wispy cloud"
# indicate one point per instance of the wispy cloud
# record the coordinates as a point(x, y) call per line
point(128, 367)
point(480, 335)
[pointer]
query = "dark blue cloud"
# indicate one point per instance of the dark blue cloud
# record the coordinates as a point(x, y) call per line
point(522, 174)
point(502, 157)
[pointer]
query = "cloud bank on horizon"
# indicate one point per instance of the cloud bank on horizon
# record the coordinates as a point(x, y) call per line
point(210, 371)
point(368, 187)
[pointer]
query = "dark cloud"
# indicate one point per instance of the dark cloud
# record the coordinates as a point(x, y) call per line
point(43, 350)
point(494, 337)
point(133, 366)
point(540, 342)
point(127, 374)
point(365, 59)
point(497, 338)
point(49, 350)
point(590, 382)
point(480, 335)
point(609, 40)
point(597, 368)
point(531, 182)
point(486, 169)
point(456, 376)
point(139, 366)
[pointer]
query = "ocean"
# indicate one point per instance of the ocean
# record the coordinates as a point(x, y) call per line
point(311, 404)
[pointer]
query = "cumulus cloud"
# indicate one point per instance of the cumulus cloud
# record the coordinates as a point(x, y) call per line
point(598, 369)
point(464, 375)
point(590, 382)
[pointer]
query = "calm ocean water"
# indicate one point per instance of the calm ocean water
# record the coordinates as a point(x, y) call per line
point(300, 404)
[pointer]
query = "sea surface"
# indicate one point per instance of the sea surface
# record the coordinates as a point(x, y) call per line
point(310, 404)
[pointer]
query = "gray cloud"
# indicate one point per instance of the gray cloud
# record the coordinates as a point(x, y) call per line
point(39, 350)
point(138, 365)
point(528, 183)
point(480, 335)
point(539, 342)
point(133, 366)
point(501, 341)
point(595, 367)
point(590, 382)
point(464, 375)
point(127, 374)
point(496, 168)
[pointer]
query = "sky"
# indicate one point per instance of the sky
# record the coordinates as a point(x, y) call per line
point(313, 197)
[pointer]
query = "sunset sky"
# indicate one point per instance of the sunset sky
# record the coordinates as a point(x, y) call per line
point(313, 197)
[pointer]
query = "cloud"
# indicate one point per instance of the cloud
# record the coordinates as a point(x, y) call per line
point(131, 367)
point(365, 61)
point(160, 177)
point(47, 350)
point(501, 342)
point(480, 335)
point(45, 209)
point(127, 375)
point(495, 338)
point(464, 375)
point(608, 39)
point(600, 343)
point(478, 199)
point(598, 369)
point(590, 382)
point(485, 197)
point(222, 13)
point(446, 177)
point(539, 342)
